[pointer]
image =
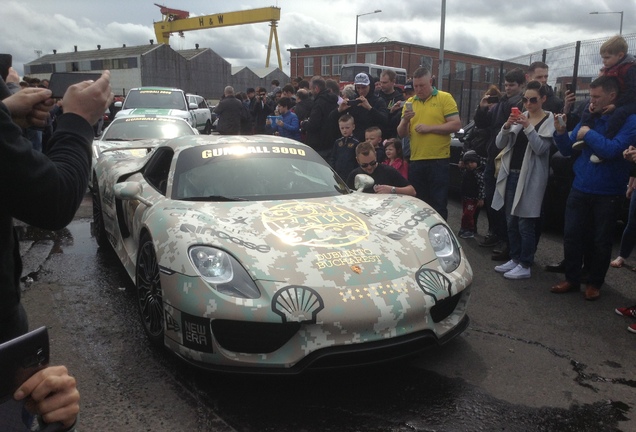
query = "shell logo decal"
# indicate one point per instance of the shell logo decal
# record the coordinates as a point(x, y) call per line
point(297, 304)
point(314, 224)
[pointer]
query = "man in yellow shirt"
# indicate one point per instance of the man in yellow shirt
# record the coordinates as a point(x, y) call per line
point(429, 118)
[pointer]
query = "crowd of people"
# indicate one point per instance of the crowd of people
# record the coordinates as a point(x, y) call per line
point(518, 133)
point(378, 129)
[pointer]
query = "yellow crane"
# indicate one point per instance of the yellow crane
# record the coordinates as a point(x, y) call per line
point(178, 21)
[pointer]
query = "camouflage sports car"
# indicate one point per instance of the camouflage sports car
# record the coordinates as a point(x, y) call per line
point(249, 253)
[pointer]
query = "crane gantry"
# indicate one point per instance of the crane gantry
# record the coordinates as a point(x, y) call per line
point(179, 21)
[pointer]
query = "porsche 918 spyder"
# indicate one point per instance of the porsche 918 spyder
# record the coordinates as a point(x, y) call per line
point(248, 253)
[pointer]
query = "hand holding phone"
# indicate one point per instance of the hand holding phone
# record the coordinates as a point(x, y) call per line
point(408, 106)
point(515, 112)
point(561, 121)
point(61, 81)
point(492, 99)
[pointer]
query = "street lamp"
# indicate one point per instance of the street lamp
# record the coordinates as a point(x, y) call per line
point(355, 53)
point(620, 32)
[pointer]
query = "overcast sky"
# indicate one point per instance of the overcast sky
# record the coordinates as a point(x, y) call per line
point(490, 28)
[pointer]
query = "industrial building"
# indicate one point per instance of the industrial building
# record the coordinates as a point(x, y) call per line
point(200, 70)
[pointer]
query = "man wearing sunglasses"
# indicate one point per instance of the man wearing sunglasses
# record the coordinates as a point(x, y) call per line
point(387, 180)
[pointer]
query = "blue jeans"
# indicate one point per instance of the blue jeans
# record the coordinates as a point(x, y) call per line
point(589, 218)
point(430, 179)
point(521, 230)
point(628, 241)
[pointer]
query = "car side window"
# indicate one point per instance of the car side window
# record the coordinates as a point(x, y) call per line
point(158, 169)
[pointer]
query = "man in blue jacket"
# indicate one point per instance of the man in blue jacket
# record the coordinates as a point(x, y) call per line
point(597, 191)
point(287, 124)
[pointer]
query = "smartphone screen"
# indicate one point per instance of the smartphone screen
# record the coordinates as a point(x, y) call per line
point(5, 64)
point(20, 358)
point(61, 81)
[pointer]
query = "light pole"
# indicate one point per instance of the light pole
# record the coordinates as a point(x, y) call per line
point(355, 52)
point(620, 32)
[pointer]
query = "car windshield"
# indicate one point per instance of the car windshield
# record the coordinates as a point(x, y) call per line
point(265, 172)
point(155, 98)
point(136, 128)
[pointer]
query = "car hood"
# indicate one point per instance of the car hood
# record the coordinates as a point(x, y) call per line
point(302, 241)
point(156, 111)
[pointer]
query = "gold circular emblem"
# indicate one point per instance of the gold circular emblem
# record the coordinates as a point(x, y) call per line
point(314, 224)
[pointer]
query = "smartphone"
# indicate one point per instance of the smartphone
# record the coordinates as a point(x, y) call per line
point(353, 102)
point(20, 358)
point(515, 111)
point(61, 81)
point(492, 99)
point(5, 63)
point(561, 121)
point(408, 106)
point(569, 87)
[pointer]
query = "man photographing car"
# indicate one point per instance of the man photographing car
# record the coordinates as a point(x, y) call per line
point(44, 191)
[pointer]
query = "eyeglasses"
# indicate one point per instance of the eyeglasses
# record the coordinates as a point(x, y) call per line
point(372, 163)
point(531, 100)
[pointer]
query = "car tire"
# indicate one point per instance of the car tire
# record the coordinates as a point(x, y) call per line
point(149, 292)
point(207, 130)
point(97, 227)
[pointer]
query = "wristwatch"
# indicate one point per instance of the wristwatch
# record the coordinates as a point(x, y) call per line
point(393, 189)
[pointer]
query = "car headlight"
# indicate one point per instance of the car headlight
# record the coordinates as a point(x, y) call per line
point(223, 272)
point(445, 247)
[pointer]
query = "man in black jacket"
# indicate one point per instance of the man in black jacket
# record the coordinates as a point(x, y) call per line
point(317, 126)
point(366, 108)
point(44, 191)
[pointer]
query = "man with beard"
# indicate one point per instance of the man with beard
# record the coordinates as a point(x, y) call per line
point(394, 100)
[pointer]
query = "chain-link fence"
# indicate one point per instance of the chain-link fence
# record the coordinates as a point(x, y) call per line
point(577, 63)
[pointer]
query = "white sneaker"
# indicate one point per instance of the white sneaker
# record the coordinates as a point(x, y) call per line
point(595, 159)
point(579, 145)
point(519, 272)
point(503, 268)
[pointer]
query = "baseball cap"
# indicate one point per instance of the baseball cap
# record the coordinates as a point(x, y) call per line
point(408, 85)
point(362, 79)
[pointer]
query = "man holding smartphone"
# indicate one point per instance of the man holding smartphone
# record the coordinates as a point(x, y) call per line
point(434, 116)
point(44, 191)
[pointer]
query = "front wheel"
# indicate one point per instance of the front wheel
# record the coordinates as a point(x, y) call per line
point(97, 228)
point(149, 293)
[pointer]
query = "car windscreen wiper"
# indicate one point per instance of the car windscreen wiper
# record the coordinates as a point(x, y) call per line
point(212, 198)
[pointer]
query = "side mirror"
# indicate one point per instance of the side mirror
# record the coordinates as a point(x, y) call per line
point(130, 191)
point(118, 104)
point(193, 106)
point(363, 181)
